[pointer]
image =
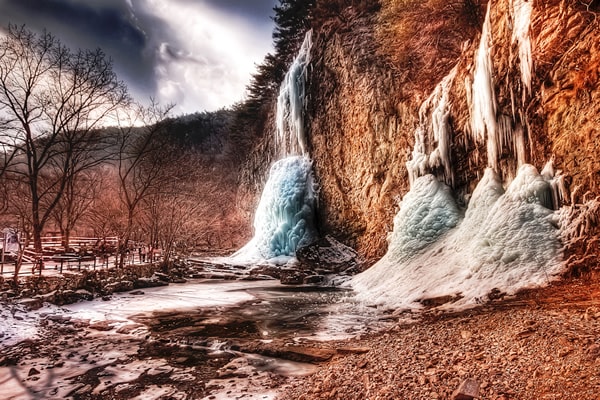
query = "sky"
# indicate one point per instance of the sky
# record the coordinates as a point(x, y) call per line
point(197, 54)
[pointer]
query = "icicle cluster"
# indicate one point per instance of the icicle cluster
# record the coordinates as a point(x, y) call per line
point(487, 126)
point(433, 135)
point(521, 10)
point(290, 137)
point(484, 105)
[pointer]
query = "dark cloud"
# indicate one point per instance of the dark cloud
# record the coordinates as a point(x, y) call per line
point(107, 20)
point(256, 12)
point(108, 24)
point(161, 46)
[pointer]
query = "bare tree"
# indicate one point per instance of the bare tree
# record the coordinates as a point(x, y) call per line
point(79, 195)
point(142, 156)
point(51, 102)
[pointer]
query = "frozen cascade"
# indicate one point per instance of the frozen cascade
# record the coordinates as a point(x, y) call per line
point(432, 136)
point(285, 215)
point(487, 126)
point(507, 240)
point(290, 137)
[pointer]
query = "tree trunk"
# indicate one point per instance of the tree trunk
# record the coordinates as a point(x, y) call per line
point(66, 238)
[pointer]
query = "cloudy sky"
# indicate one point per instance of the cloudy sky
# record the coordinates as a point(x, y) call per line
point(198, 54)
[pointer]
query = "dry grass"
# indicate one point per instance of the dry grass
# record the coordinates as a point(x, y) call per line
point(424, 38)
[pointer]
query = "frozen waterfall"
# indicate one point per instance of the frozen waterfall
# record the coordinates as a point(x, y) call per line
point(433, 135)
point(285, 216)
point(484, 126)
point(506, 240)
point(290, 137)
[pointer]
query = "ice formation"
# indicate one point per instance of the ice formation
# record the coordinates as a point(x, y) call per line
point(507, 240)
point(290, 138)
point(483, 97)
point(285, 215)
point(521, 10)
point(488, 125)
point(432, 136)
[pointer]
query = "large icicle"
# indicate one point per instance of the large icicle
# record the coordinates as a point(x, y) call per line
point(484, 106)
point(432, 136)
point(506, 241)
point(521, 10)
point(290, 138)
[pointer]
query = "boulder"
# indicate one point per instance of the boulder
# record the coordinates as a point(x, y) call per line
point(31, 304)
point(314, 280)
point(327, 253)
point(154, 281)
point(66, 297)
point(84, 294)
point(468, 390)
point(121, 286)
point(292, 277)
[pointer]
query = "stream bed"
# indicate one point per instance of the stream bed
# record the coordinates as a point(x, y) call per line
point(202, 339)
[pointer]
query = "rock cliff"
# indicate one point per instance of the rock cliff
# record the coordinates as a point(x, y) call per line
point(374, 67)
point(383, 75)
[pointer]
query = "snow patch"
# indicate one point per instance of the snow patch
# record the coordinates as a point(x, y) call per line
point(506, 241)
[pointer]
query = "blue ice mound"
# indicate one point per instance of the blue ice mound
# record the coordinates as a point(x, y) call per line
point(285, 217)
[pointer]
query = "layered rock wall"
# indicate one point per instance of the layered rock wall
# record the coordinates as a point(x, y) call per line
point(374, 65)
point(373, 69)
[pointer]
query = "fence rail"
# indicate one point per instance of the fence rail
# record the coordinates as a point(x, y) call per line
point(85, 253)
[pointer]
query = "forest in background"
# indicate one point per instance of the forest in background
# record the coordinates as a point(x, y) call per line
point(142, 177)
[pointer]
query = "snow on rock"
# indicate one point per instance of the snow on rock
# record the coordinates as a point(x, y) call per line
point(506, 241)
point(17, 324)
point(285, 215)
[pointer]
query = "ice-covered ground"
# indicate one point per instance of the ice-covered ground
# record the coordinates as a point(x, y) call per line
point(106, 340)
point(505, 241)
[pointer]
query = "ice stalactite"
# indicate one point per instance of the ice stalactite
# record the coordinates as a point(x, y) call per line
point(290, 137)
point(521, 10)
point(560, 193)
point(488, 124)
point(483, 97)
point(506, 241)
point(285, 217)
point(433, 135)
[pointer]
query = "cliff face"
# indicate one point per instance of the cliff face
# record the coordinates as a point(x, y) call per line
point(374, 67)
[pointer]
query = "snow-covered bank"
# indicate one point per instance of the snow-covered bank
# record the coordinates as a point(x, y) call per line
point(506, 241)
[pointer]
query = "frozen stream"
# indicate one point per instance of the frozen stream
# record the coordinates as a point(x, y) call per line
point(193, 340)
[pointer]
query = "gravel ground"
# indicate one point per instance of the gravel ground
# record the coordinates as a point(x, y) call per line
point(543, 344)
